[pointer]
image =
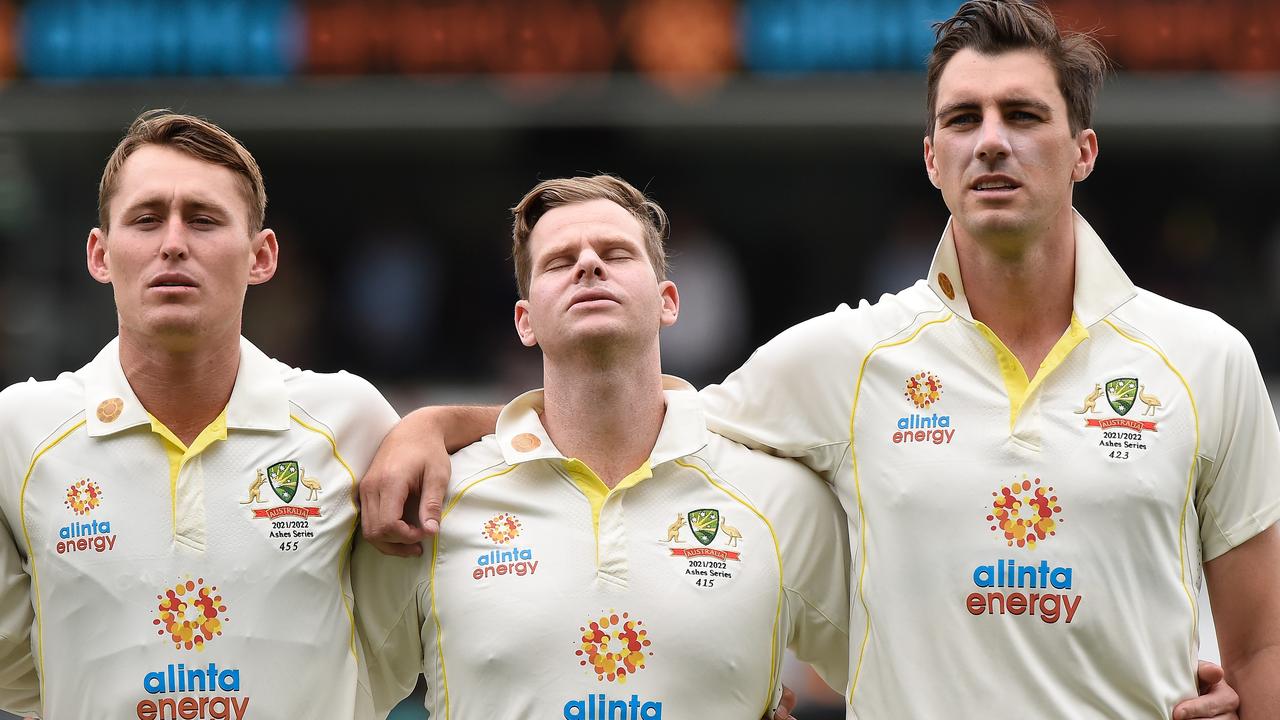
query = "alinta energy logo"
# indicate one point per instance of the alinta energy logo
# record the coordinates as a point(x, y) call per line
point(190, 614)
point(1024, 514)
point(82, 498)
point(501, 530)
point(614, 647)
point(923, 390)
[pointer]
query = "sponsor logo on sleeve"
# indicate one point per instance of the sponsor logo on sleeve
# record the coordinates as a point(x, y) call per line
point(90, 532)
point(1123, 438)
point(507, 558)
point(703, 565)
point(290, 523)
point(1024, 515)
point(924, 391)
point(189, 615)
point(614, 646)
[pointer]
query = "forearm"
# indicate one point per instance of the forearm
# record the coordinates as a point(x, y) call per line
point(1257, 680)
point(457, 426)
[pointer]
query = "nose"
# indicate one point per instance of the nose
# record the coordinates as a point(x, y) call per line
point(173, 244)
point(993, 139)
point(589, 265)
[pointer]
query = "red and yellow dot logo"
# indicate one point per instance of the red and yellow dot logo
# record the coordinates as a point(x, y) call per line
point(83, 497)
point(502, 529)
point(614, 646)
point(1024, 512)
point(190, 614)
point(923, 389)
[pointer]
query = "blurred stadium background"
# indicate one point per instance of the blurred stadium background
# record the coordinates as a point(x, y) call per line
point(783, 136)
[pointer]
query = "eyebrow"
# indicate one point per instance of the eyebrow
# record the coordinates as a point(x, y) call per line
point(1013, 102)
point(156, 202)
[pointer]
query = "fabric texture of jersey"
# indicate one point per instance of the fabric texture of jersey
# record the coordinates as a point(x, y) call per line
point(161, 580)
point(547, 595)
point(1021, 548)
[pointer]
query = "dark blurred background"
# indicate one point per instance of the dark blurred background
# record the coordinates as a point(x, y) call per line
point(782, 136)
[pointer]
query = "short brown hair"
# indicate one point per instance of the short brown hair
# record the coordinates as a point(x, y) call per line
point(995, 26)
point(196, 137)
point(559, 192)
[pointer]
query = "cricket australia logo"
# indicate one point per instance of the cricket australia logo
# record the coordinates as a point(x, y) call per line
point(1122, 437)
point(703, 566)
point(290, 523)
point(704, 524)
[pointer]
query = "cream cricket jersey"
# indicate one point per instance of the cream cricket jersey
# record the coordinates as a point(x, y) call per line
point(202, 582)
point(1021, 549)
point(549, 596)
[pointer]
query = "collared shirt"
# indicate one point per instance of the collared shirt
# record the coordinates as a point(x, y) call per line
point(673, 594)
point(1021, 548)
point(174, 581)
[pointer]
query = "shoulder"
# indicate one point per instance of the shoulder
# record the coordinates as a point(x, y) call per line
point(857, 329)
point(31, 410)
point(1191, 339)
point(776, 487)
point(332, 395)
point(477, 460)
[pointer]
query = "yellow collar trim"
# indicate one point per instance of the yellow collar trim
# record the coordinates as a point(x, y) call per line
point(1016, 383)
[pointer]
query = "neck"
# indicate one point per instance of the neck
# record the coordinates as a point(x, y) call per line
point(1025, 295)
point(186, 388)
point(606, 415)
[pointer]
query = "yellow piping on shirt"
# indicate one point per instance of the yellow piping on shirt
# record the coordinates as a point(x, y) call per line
point(31, 555)
point(435, 553)
point(857, 486)
point(1015, 376)
point(178, 453)
point(344, 556)
point(773, 658)
point(1191, 475)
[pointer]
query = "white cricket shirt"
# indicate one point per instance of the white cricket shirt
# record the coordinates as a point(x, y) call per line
point(547, 595)
point(1021, 549)
point(202, 582)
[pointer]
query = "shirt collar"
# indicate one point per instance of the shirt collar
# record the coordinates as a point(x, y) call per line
point(258, 399)
point(683, 432)
point(1101, 285)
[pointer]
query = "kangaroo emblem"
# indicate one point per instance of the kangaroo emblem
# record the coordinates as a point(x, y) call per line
point(1091, 400)
point(673, 530)
point(255, 489)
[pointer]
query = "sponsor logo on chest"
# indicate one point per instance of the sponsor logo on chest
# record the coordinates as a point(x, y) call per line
point(507, 558)
point(88, 531)
point(613, 646)
point(923, 392)
point(190, 615)
point(1026, 516)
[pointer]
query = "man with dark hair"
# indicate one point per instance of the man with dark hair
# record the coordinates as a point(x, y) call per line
point(1038, 459)
point(651, 568)
point(178, 514)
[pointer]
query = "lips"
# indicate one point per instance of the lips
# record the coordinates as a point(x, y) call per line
point(592, 295)
point(172, 279)
point(994, 183)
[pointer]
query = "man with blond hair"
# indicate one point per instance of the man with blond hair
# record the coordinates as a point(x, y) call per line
point(603, 555)
point(159, 560)
point(1060, 545)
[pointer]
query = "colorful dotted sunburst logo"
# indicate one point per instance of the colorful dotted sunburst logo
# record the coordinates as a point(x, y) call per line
point(923, 389)
point(502, 529)
point(1024, 512)
point(191, 614)
point(614, 646)
point(83, 497)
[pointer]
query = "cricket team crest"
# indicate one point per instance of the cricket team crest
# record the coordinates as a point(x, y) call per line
point(290, 523)
point(283, 477)
point(1123, 438)
point(706, 566)
point(704, 524)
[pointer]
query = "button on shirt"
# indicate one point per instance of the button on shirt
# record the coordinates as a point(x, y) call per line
point(673, 594)
point(172, 581)
point(1021, 547)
